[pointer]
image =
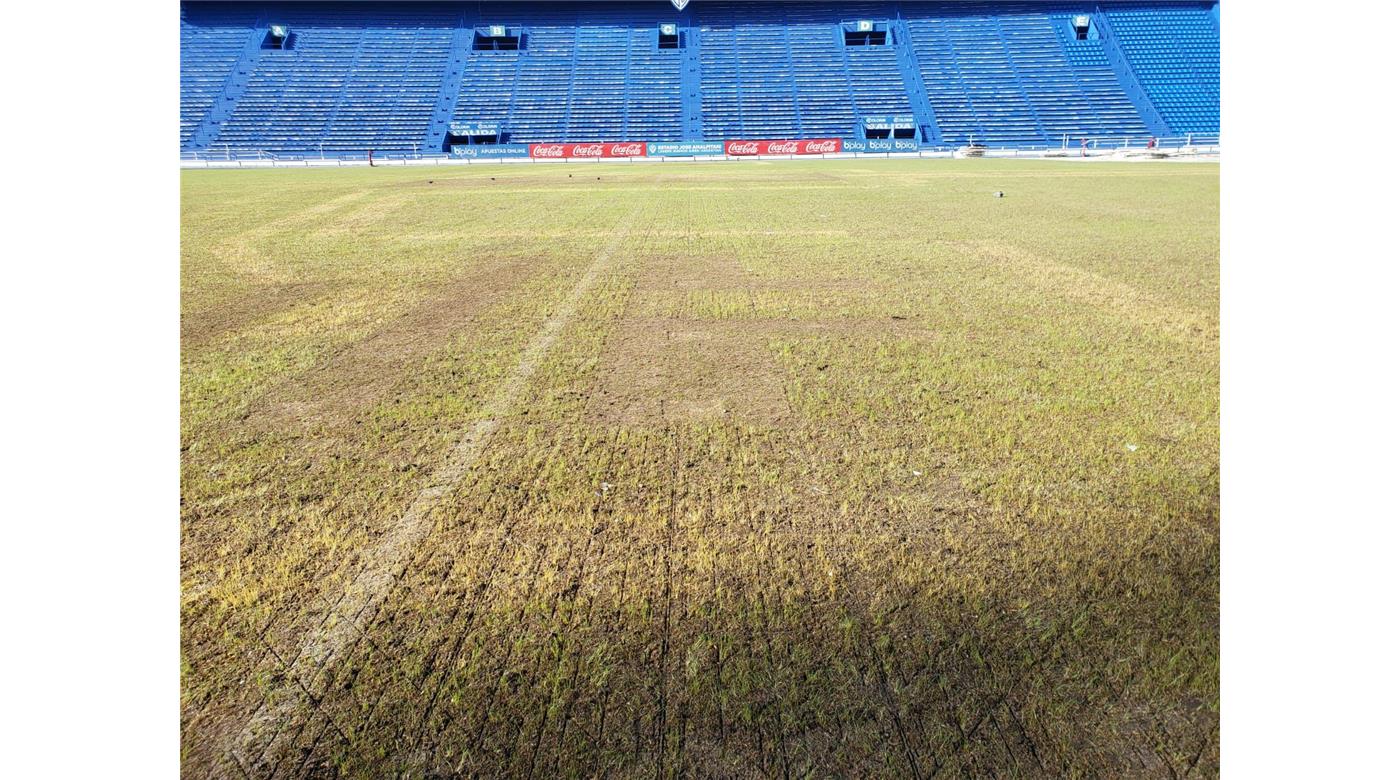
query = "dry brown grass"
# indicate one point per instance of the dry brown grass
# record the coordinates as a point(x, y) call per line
point(829, 475)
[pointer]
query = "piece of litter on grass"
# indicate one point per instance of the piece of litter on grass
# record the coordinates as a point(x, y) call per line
point(1132, 448)
point(918, 473)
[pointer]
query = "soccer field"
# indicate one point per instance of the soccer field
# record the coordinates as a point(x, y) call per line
point(831, 468)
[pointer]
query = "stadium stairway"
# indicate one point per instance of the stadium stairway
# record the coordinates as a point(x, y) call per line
point(693, 107)
point(214, 62)
point(447, 90)
point(914, 84)
point(1109, 51)
point(393, 76)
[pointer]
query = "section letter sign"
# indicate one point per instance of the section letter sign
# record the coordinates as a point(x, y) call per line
point(808, 146)
point(587, 151)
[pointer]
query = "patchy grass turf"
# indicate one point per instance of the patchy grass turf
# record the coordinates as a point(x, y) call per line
point(841, 468)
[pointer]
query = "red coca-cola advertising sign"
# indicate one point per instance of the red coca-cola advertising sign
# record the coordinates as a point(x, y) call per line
point(586, 151)
point(788, 146)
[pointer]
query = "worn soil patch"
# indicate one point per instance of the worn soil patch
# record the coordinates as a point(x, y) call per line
point(246, 308)
point(686, 371)
point(677, 371)
point(681, 273)
point(1098, 291)
point(365, 372)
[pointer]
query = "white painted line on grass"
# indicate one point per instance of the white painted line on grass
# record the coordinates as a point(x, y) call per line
point(326, 645)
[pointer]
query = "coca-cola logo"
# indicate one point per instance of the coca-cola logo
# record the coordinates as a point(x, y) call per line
point(552, 150)
point(742, 147)
point(588, 150)
point(627, 150)
point(821, 147)
point(782, 147)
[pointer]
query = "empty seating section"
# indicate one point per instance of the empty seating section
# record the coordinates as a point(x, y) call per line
point(1001, 75)
point(390, 95)
point(357, 77)
point(529, 94)
point(1083, 99)
point(1081, 54)
point(385, 76)
point(973, 89)
point(873, 72)
point(598, 98)
point(588, 73)
point(786, 72)
point(719, 82)
point(1113, 113)
point(653, 108)
point(1175, 54)
point(748, 84)
point(210, 46)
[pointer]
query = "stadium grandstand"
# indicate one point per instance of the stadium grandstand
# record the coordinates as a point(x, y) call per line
point(627, 79)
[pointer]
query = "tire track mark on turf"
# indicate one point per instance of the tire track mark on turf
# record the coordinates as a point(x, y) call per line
point(328, 644)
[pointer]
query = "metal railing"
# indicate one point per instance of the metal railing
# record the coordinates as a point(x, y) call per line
point(1128, 142)
point(227, 154)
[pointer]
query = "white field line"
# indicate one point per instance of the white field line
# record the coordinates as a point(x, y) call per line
point(325, 645)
